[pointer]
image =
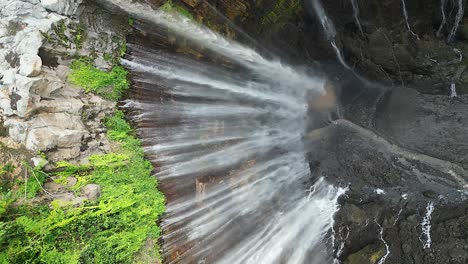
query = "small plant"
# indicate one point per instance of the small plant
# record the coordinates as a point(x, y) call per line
point(170, 7)
point(111, 85)
point(7, 168)
point(79, 36)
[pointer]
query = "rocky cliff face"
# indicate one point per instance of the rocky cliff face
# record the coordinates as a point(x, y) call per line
point(402, 151)
point(38, 106)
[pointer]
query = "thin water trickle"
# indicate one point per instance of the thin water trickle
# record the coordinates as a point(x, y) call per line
point(228, 146)
point(405, 15)
point(444, 18)
point(330, 33)
point(456, 23)
point(355, 5)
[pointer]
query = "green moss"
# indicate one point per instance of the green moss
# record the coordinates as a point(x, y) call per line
point(281, 13)
point(370, 254)
point(111, 85)
point(110, 230)
point(174, 8)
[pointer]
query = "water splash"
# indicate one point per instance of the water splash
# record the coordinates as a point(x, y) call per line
point(227, 142)
point(405, 15)
point(458, 18)
point(356, 15)
point(425, 237)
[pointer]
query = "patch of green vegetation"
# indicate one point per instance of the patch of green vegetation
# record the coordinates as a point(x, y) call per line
point(123, 49)
point(64, 35)
point(60, 28)
point(23, 189)
point(281, 13)
point(130, 21)
point(7, 168)
point(111, 85)
point(174, 8)
point(78, 34)
point(110, 230)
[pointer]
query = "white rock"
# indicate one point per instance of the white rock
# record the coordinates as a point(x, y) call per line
point(30, 65)
point(65, 7)
point(39, 161)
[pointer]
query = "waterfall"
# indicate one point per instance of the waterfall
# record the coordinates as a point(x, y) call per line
point(356, 15)
point(387, 247)
point(405, 15)
point(444, 18)
point(330, 33)
point(457, 21)
point(227, 140)
point(453, 90)
point(329, 29)
point(426, 226)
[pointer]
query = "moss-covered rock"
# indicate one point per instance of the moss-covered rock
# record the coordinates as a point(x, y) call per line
point(371, 254)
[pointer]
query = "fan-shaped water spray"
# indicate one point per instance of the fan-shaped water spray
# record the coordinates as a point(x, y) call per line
point(228, 145)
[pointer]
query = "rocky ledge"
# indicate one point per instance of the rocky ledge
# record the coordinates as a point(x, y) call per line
point(38, 106)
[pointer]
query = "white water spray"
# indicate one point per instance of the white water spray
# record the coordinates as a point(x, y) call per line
point(425, 237)
point(405, 14)
point(356, 15)
point(229, 151)
point(457, 21)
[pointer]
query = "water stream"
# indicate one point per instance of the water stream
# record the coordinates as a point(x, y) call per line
point(405, 15)
point(355, 5)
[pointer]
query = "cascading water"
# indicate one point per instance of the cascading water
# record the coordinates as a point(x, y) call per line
point(405, 15)
point(444, 18)
point(330, 31)
point(355, 5)
point(456, 23)
point(228, 145)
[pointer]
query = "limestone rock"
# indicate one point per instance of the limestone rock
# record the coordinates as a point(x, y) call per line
point(30, 65)
point(71, 181)
point(63, 7)
point(91, 191)
point(39, 161)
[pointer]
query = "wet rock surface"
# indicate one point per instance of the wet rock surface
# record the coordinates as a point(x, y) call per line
point(401, 153)
point(401, 148)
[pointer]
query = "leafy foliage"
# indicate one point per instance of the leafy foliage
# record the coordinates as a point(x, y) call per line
point(111, 85)
point(110, 230)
